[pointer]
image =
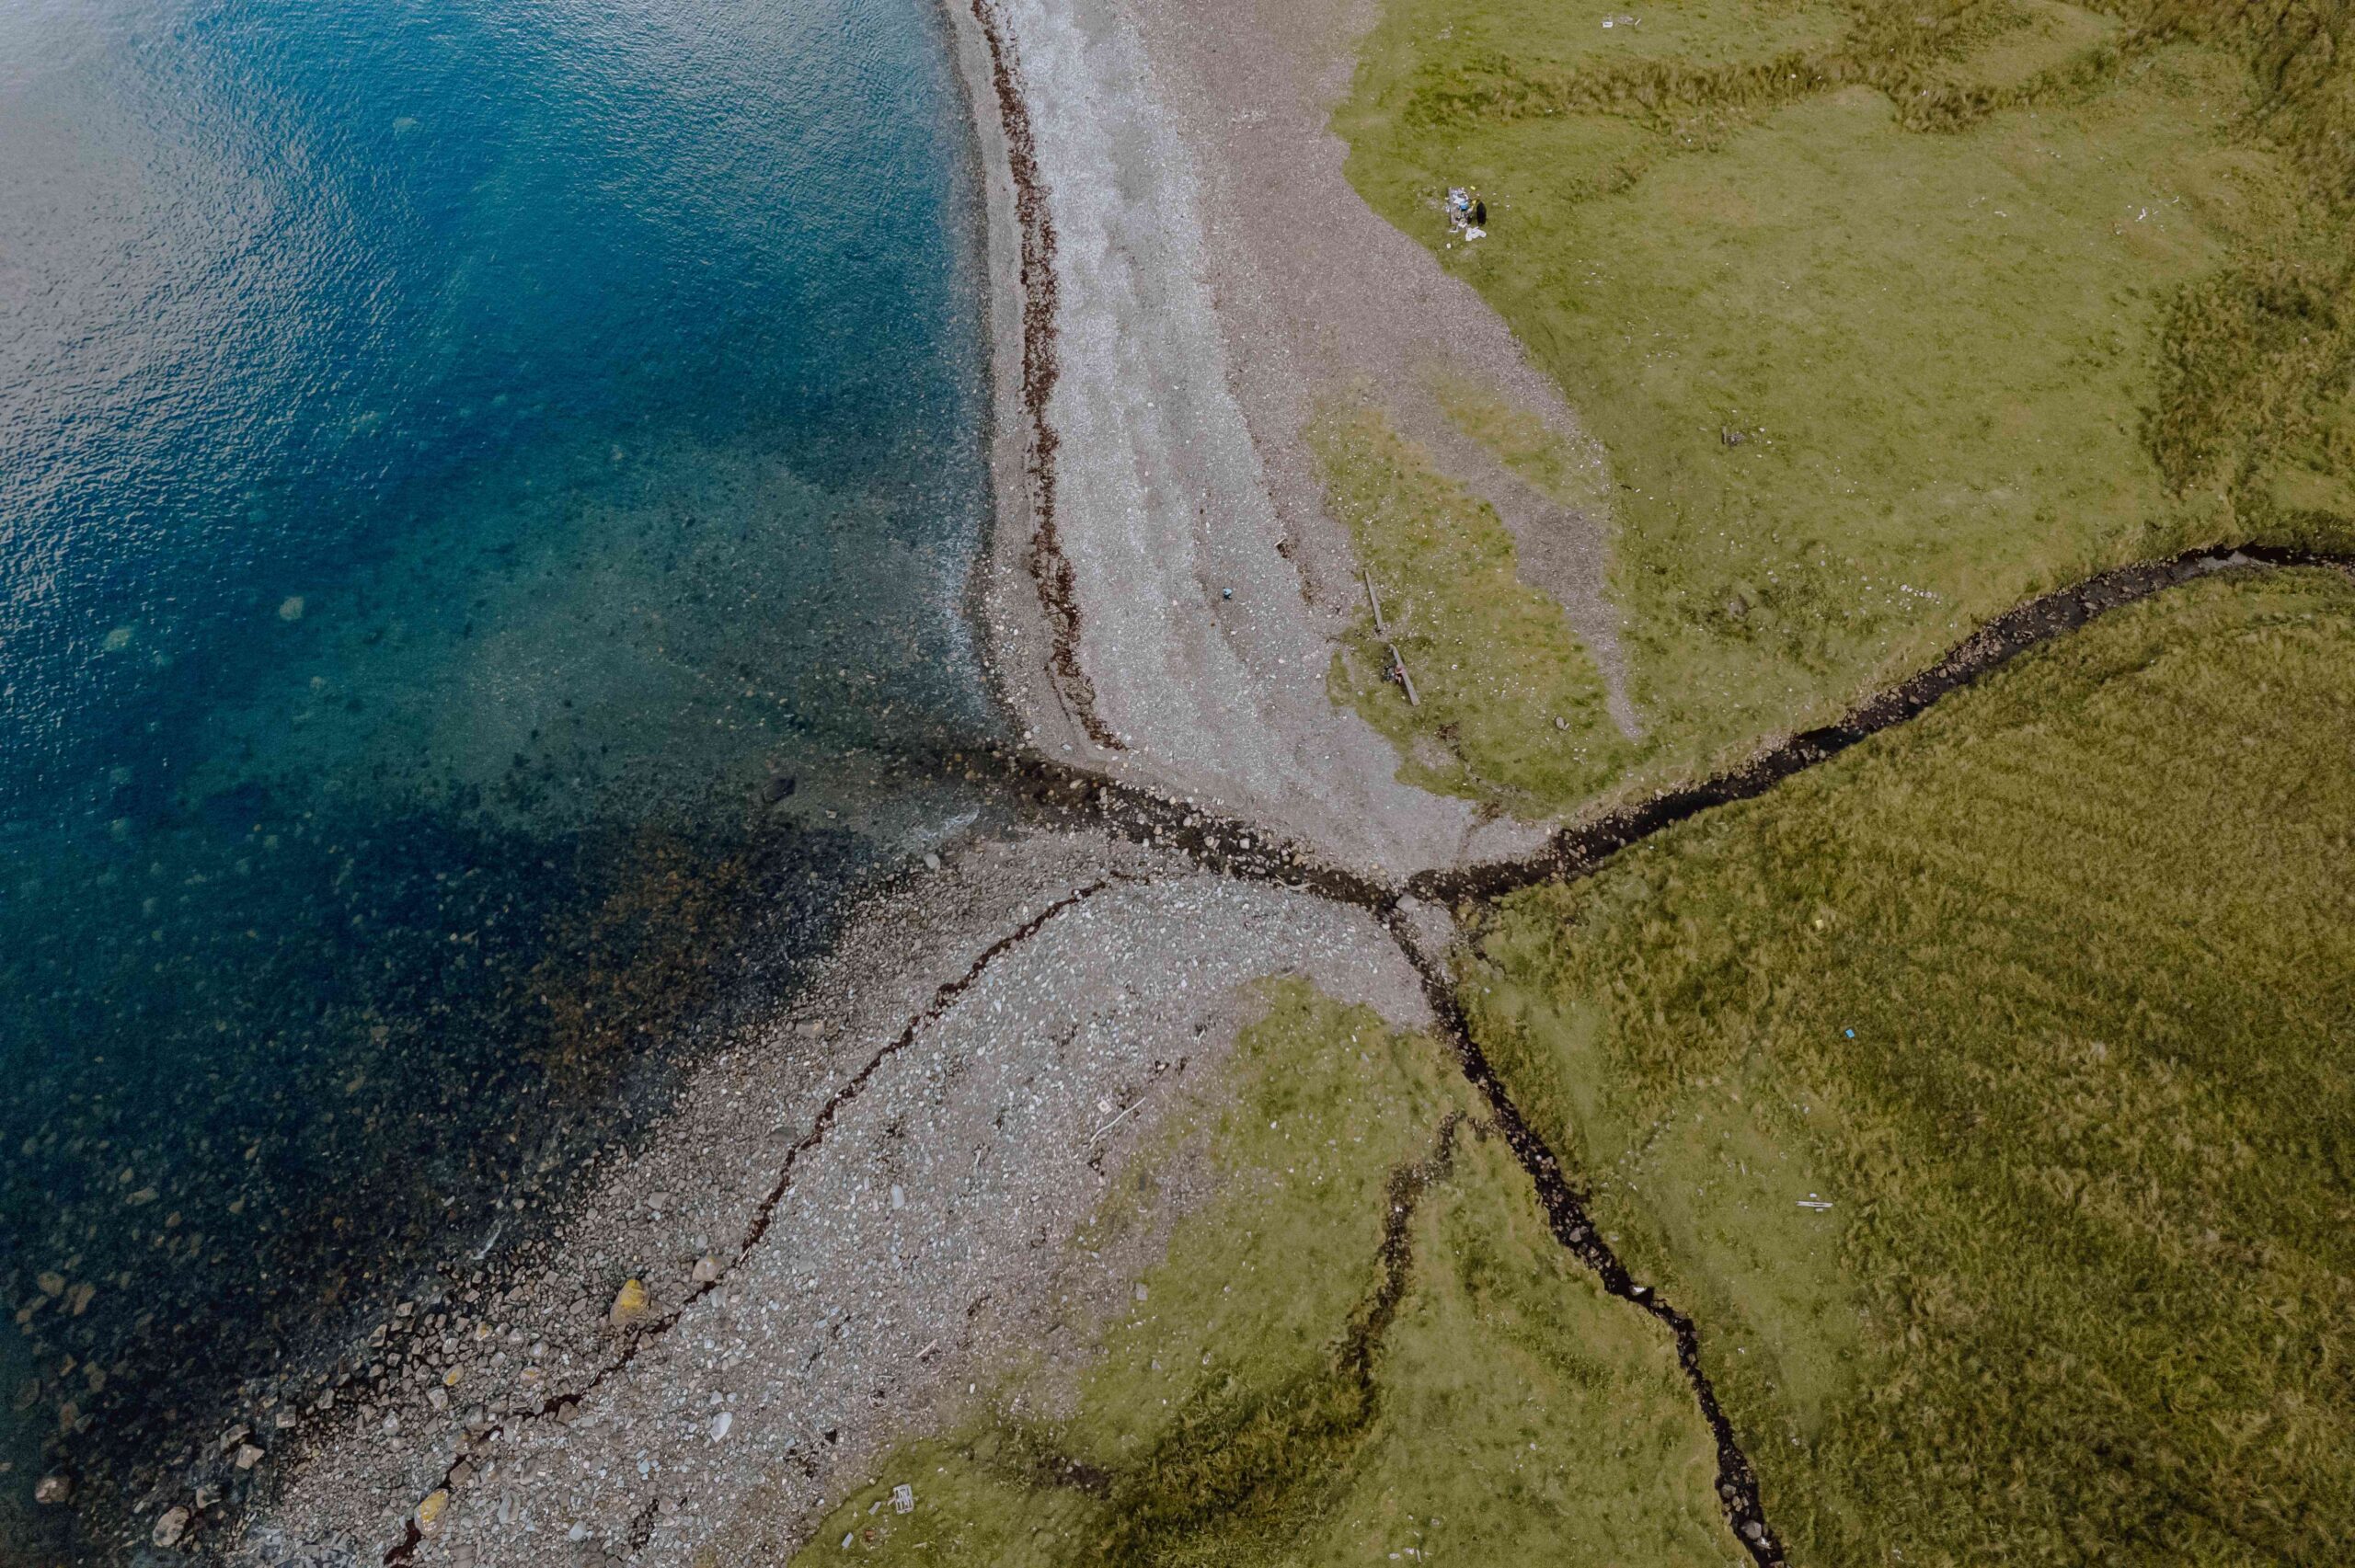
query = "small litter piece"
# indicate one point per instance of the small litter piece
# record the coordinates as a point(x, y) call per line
point(1464, 207)
point(1815, 1203)
point(903, 1499)
point(1622, 21)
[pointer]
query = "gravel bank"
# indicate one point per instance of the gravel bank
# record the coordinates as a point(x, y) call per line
point(1203, 648)
point(939, 1113)
point(1213, 277)
point(1319, 294)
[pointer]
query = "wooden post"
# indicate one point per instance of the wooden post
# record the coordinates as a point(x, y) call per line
point(1384, 633)
point(1404, 679)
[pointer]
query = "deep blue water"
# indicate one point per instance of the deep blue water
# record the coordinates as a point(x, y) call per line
point(458, 461)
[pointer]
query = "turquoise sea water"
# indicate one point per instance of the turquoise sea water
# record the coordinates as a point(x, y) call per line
point(487, 489)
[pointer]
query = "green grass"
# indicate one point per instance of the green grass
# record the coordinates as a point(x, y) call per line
point(1278, 1395)
point(2052, 995)
point(1494, 662)
point(1571, 473)
point(1994, 294)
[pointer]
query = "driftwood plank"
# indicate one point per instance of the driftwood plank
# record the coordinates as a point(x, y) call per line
point(1404, 679)
point(1382, 631)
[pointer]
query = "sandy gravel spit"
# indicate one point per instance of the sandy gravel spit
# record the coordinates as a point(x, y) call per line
point(844, 1222)
point(1204, 661)
point(1183, 276)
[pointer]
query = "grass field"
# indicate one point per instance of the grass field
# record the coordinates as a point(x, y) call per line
point(2048, 999)
point(1365, 1346)
point(1890, 316)
point(1510, 708)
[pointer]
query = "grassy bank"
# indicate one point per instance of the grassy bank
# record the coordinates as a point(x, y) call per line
point(1363, 1346)
point(2045, 1000)
point(1510, 708)
point(1891, 316)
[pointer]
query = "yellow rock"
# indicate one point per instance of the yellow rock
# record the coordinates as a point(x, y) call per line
point(629, 1305)
point(429, 1512)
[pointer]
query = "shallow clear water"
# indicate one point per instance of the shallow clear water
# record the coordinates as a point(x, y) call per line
point(487, 490)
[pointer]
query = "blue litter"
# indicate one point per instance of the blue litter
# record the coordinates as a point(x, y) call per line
point(1849, 1032)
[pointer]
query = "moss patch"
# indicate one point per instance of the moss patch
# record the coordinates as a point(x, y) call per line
point(1366, 1343)
point(2046, 1000)
point(1890, 314)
